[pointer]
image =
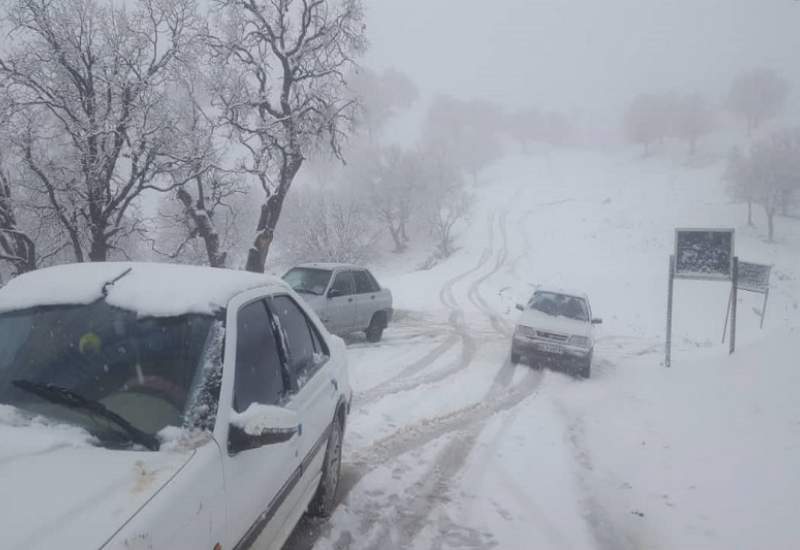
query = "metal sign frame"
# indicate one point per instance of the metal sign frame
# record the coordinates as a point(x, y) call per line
point(732, 276)
point(694, 275)
point(749, 286)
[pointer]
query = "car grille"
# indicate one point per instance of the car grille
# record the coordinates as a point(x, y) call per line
point(552, 336)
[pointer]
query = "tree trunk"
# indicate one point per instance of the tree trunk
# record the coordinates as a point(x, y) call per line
point(771, 224)
point(399, 245)
point(403, 232)
point(692, 146)
point(270, 214)
point(750, 213)
point(204, 226)
point(98, 251)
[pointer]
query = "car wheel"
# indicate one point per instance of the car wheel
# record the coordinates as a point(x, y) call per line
point(324, 500)
point(375, 329)
point(516, 358)
point(585, 370)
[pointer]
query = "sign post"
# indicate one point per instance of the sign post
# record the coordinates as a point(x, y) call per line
point(670, 292)
point(702, 254)
point(751, 278)
point(734, 301)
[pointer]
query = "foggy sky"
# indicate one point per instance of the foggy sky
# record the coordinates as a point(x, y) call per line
point(582, 55)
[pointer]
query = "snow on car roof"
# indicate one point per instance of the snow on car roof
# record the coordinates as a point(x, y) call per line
point(329, 265)
point(149, 289)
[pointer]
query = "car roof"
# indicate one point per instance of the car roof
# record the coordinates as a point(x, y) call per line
point(331, 266)
point(149, 289)
point(562, 291)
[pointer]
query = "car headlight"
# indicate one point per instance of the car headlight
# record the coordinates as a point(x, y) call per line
point(527, 332)
point(580, 341)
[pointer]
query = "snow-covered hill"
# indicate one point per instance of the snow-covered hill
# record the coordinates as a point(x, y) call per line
point(451, 446)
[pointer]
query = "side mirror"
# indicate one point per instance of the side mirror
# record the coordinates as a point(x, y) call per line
point(262, 425)
point(520, 307)
point(335, 293)
point(597, 321)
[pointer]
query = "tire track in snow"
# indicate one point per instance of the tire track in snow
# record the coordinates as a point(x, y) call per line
point(499, 324)
point(466, 425)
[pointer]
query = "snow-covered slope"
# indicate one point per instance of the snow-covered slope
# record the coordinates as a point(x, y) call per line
point(450, 446)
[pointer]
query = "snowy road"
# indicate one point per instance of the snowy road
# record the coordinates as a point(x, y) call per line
point(451, 446)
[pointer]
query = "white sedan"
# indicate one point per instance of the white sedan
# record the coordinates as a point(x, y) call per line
point(556, 327)
point(164, 407)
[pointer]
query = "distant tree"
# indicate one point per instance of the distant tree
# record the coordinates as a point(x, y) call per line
point(647, 120)
point(769, 175)
point(693, 119)
point(466, 132)
point(281, 69)
point(446, 201)
point(525, 126)
point(324, 224)
point(381, 96)
point(740, 182)
point(757, 96)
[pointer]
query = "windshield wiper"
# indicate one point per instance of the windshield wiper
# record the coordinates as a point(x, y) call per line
point(307, 291)
point(68, 398)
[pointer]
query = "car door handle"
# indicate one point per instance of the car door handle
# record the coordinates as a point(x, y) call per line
point(373, 297)
point(349, 299)
point(335, 384)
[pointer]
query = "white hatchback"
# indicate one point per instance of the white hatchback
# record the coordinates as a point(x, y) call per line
point(166, 407)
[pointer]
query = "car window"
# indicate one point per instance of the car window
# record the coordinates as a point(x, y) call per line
point(364, 282)
point(306, 280)
point(562, 305)
point(344, 283)
point(304, 347)
point(259, 376)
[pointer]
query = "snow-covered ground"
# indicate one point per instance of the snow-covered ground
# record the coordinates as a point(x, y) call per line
point(450, 446)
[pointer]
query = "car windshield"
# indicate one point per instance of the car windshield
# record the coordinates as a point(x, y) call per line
point(308, 280)
point(562, 305)
point(69, 362)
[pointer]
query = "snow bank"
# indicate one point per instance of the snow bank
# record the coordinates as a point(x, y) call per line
point(703, 455)
point(150, 289)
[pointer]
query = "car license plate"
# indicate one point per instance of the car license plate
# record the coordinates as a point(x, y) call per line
point(552, 348)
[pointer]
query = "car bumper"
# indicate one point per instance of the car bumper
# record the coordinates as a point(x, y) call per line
point(549, 351)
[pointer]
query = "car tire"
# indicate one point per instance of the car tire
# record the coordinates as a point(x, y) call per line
point(375, 329)
point(585, 369)
point(516, 358)
point(324, 501)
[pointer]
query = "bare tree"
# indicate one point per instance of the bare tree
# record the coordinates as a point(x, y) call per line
point(282, 90)
point(757, 96)
point(525, 126)
point(88, 79)
point(648, 120)
point(467, 132)
point(204, 188)
point(381, 96)
point(740, 181)
point(324, 224)
point(446, 201)
point(693, 119)
point(390, 176)
point(770, 174)
point(16, 246)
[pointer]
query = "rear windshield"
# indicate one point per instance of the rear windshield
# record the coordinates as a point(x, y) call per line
point(308, 280)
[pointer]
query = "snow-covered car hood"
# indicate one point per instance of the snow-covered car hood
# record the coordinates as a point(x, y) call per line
point(563, 325)
point(59, 491)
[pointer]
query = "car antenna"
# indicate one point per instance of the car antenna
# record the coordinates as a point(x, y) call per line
point(114, 280)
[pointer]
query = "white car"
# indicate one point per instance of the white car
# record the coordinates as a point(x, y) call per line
point(556, 327)
point(164, 407)
point(346, 297)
